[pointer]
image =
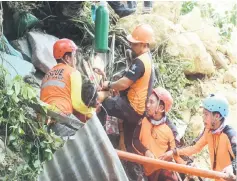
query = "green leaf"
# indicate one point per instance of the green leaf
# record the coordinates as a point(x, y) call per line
point(21, 118)
point(21, 131)
point(30, 93)
point(48, 150)
point(12, 137)
point(42, 144)
point(15, 143)
point(10, 92)
point(17, 88)
point(14, 127)
point(48, 141)
point(15, 98)
point(37, 164)
point(24, 92)
point(49, 156)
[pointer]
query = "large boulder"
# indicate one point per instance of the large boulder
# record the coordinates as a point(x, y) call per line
point(188, 46)
point(218, 57)
point(42, 50)
point(16, 66)
point(205, 30)
point(23, 46)
point(229, 50)
point(169, 9)
point(230, 76)
point(208, 34)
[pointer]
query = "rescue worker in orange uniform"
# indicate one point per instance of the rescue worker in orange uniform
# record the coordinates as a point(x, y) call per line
point(137, 83)
point(62, 87)
point(134, 87)
point(220, 137)
point(153, 136)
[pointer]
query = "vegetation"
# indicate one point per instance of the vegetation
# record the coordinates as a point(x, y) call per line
point(22, 131)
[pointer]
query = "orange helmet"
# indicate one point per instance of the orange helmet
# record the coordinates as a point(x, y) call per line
point(142, 34)
point(165, 96)
point(62, 46)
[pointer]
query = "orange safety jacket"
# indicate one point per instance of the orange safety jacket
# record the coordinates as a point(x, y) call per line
point(222, 148)
point(61, 87)
point(158, 139)
point(138, 91)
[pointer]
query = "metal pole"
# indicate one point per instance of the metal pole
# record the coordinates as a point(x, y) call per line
point(160, 164)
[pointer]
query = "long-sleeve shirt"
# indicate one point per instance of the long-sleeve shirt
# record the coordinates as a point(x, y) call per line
point(222, 148)
point(61, 87)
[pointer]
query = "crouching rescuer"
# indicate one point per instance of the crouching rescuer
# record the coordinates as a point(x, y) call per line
point(154, 136)
point(61, 87)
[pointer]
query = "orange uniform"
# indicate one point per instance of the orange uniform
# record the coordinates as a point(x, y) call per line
point(138, 91)
point(156, 138)
point(222, 148)
point(61, 87)
point(56, 88)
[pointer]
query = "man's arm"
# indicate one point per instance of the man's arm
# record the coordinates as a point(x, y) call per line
point(121, 84)
point(138, 146)
point(188, 151)
point(132, 75)
point(77, 103)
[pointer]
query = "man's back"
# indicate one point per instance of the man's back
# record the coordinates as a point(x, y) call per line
point(56, 88)
point(138, 91)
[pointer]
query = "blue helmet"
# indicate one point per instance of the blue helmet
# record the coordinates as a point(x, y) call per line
point(216, 103)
